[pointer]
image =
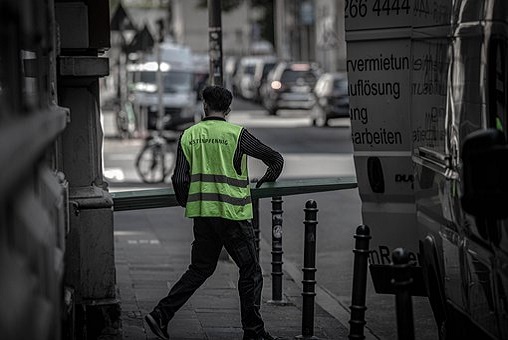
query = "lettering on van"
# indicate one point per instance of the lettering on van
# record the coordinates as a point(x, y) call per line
point(434, 10)
point(359, 114)
point(380, 63)
point(428, 89)
point(404, 178)
point(382, 255)
point(431, 71)
point(380, 136)
point(360, 8)
point(365, 88)
point(432, 133)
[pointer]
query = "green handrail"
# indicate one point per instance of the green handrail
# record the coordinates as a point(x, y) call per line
point(162, 198)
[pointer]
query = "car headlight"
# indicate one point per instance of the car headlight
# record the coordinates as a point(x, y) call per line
point(276, 85)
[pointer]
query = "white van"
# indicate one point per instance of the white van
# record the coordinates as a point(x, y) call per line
point(179, 93)
point(440, 79)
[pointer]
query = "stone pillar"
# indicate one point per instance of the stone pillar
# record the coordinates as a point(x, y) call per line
point(89, 257)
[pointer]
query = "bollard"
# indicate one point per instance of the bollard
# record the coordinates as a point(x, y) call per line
point(358, 308)
point(255, 223)
point(255, 219)
point(309, 271)
point(277, 252)
point(402, 281)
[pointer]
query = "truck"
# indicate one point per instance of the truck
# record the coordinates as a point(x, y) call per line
point(179, 96)
point(429, 128)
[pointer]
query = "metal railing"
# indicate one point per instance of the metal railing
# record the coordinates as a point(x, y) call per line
point(162, 198)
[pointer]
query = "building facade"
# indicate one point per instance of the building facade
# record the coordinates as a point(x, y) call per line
point(57, 270)
point(190, 27)
point(311, 30)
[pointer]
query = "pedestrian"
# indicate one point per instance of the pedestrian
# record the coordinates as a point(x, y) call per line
point(211, 181)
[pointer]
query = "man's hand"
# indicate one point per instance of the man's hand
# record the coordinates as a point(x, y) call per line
point(258, 184)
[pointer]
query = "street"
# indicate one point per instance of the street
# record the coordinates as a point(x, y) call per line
point(390, 118)
point(308, 152)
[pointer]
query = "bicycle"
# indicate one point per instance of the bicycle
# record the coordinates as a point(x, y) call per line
point(157, 158)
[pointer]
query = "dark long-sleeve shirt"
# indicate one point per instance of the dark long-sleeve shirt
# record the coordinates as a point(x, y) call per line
point(247, 144)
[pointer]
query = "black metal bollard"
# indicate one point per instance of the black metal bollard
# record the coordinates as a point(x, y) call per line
point(309, 271)
point(255, 223)
point(358, 308)
point(277, 252)
point(402, 281)
point(255, 219)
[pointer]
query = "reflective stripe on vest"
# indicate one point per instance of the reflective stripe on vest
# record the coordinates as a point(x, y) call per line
point(219, 179)
point(216, 190)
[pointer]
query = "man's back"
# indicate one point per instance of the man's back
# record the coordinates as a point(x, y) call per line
point(216, 188)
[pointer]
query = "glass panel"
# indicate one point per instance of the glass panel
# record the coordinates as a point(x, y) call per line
point(177, 81)
point(429, 92)
point(249, 69)
point(173, 81)
point(267, 68)
point(30, 86)
point(290, 76)
point(497, 86)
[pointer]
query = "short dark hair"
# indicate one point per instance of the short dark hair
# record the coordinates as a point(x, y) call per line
point(218, 98)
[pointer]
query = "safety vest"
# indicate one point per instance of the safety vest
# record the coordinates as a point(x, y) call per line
point(216, 190)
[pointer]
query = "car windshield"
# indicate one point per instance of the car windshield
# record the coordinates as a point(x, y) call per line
point(177, 81)
point(291, 76)
point(340, 84)
point(174, 81)
point(267, 68)
point(249, 69)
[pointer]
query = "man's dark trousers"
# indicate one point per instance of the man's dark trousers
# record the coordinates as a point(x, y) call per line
point(210, 234)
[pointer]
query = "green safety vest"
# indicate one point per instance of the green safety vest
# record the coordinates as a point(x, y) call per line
point(216, 190)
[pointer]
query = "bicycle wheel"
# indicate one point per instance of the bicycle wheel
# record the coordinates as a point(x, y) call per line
point(150, 163)
point(169, 157)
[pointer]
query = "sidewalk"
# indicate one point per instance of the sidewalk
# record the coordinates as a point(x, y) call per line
point(152, 250)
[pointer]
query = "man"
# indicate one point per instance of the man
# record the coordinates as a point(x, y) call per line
point(211, 181)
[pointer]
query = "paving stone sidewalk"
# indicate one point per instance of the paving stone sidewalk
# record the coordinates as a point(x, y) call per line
point(152, 250)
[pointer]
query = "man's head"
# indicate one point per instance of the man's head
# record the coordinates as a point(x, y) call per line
point(216, 99)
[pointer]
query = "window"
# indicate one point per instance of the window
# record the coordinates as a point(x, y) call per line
point(497, 86)
point(290, 76)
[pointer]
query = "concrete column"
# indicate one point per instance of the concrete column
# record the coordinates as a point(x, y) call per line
point(89, 256)
point(90, 263)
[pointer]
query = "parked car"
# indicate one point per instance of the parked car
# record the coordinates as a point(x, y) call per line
point(244, 75)
point(332, 100)
point(231, 64)
point(289, 86)
point(178, 92)
point(261, 71)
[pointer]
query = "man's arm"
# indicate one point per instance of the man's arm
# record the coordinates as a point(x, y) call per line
point(181, 176)
point(251, 146)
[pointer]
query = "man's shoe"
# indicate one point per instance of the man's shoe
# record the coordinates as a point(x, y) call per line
point(264, 336)
point(155, 321)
